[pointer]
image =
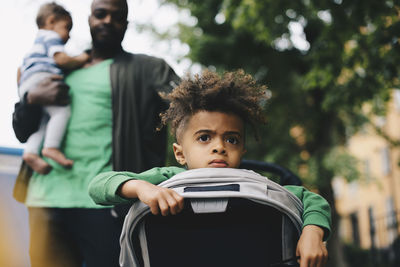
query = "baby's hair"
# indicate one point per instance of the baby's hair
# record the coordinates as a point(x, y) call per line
point(233, 92)
point(49, 9)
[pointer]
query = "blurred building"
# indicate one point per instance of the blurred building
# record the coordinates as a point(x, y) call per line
point(370, 206)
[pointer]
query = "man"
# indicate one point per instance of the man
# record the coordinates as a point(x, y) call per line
point(115, 104)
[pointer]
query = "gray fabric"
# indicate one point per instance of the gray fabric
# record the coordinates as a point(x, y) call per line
point(54, 121)
point(143, 241)
point(253, 187)
point(209, 205)
point(288, 231)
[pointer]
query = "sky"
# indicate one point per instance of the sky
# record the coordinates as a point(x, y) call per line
point(18, 30)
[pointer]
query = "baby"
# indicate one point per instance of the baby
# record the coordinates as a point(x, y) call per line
point(46, 58)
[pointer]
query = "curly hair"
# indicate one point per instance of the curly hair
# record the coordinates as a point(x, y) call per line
point(233, 92)
point(49, 9)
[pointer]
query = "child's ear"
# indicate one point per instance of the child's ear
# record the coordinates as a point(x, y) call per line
point(178, 152)
point(49, 22)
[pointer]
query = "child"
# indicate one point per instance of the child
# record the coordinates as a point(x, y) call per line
point(46, 58)
point(208, 116)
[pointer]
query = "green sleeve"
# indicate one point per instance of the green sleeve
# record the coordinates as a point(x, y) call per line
point(103, 188)
point(316, 209)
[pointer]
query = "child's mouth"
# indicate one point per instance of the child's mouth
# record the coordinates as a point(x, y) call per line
point(217, 163)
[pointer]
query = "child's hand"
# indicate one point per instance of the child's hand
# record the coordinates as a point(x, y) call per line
point(84, 57)
point(310, 248)
point(159, 199)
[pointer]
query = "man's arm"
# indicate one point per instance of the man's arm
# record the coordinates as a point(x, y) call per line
point(162, 77)
point(51, 91)
point(27, 112)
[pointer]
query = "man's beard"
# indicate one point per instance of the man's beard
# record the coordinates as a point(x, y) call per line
point(105, 45)
point(106, 40)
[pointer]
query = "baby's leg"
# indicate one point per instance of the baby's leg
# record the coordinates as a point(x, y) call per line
point(56, 127)
point(36, 163)
point(31, 156)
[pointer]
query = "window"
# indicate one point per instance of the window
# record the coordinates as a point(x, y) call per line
point(391, 220)
point(372, 227)
point(353, 188)
point(354, 228)
point(396, 99)
point(367, 170)
point(386, 161)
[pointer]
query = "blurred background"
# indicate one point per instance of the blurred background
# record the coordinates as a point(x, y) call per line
point(332, 70)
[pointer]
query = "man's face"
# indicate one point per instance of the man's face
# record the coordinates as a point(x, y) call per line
point(108, 23)
point(211, 140)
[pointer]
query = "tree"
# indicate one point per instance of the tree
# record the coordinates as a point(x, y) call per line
point(321, 61)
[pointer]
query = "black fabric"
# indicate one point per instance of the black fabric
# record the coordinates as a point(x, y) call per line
point(228, 187)
point(74, 237)
point(25, 119)
point(136, 81)
point(247, 234)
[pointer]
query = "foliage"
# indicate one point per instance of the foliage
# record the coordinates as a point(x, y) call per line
point(322, 61)
point(347, 55)
point(342, 164)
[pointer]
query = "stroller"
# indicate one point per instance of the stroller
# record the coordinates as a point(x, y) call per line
point(232, 217)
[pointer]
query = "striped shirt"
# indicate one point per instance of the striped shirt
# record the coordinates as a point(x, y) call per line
point(40, 57)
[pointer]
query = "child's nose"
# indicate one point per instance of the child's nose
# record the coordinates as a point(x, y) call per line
point(219, 147)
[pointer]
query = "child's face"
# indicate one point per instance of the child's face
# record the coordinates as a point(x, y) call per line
point(63, 27)
point(211, 140)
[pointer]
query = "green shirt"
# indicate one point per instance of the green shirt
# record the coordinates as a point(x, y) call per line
point(87, 142)
point(103, 190)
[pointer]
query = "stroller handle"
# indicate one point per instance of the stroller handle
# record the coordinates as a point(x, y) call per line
point(286, 176)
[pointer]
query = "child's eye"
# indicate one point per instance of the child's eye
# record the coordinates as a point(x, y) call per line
point(233, 140)
point(203, 138)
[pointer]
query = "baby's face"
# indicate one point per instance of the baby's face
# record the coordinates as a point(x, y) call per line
point(211, 140)
point(63, 27)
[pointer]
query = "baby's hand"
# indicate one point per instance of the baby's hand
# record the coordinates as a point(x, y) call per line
point(159, 199)
point(84, 57)
point(310, 248)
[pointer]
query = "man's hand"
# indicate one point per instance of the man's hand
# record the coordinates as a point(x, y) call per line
point(159, 199)
point(310, 248)
point(51, 91)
